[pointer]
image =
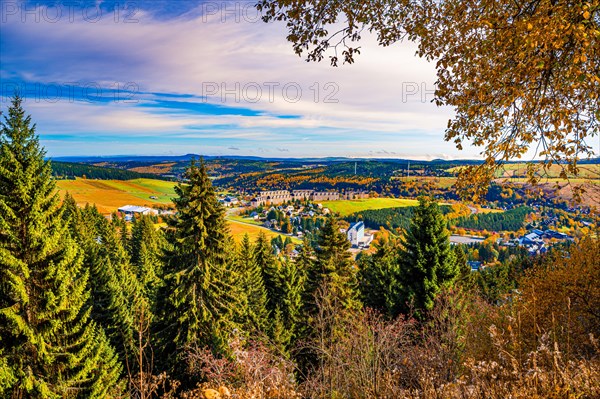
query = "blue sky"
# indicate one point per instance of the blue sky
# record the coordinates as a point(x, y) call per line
point(174, 77)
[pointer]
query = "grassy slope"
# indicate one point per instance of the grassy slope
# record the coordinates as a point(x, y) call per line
point(348, 207)
point(108, 195)
point(238, 230)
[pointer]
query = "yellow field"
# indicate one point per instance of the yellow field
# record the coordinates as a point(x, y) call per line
point(238, 230)
point(109, 195)
point(347, 207)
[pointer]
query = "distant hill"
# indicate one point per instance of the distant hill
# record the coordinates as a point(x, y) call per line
point(70, 170)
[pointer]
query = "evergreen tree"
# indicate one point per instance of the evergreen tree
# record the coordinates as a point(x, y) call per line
point(146, 246)
point(305, 258)
point(332, 268)
point(287, 314)
point(379, 276)
point(427, 262)
point(269, 266)
point(464, 271)
point(200, 301)
point(253, 285)
point(49, 345)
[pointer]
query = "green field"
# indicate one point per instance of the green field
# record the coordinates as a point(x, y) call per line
point(347, 207)
point(242, 219)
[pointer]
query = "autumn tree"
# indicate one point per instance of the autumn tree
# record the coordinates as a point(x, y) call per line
point(522, 76)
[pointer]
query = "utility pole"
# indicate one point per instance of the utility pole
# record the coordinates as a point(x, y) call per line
point(408, 172)
point(355, 167)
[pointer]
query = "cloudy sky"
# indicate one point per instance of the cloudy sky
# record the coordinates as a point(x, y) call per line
point(174, 77)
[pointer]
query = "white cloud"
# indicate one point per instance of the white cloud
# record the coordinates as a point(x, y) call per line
point(382, 92)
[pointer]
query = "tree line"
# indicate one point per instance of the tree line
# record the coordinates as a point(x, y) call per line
point(68, 170)
point(511, 220)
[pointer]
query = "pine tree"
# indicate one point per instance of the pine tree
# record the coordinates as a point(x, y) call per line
point(200, 301)
point(379, 276)
point(286, 323)
point(427, 262)
point(253, 285)
point(146, 246)
point(332, 268)
point(269, 266)
point(49, 345)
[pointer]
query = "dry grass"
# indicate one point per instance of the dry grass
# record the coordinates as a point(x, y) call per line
point(238, 230)
point(109, 195)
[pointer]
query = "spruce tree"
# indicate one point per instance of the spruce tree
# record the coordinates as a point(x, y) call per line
point(287, 314)
point(269, 266)
point(200, 301)
point(257, 315)
point(146, 246)
point(50, 348)
point(427, 261)
point(379, 276)
point(332, 268)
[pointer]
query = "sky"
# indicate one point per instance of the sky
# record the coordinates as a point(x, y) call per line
point(172, 77)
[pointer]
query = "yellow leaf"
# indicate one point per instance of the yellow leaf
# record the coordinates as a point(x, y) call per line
point(586, 15)
point(529, 26)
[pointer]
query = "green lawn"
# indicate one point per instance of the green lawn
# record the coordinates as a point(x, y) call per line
point(242, 219)
point(347, 207)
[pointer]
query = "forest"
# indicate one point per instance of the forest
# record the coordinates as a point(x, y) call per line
point(511, 220)
point(95, 307)
point(69, 170)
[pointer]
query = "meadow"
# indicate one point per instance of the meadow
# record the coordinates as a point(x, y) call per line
point(239, 229)
point(108, 195)
point(347, 207)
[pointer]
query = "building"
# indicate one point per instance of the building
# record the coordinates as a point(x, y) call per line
point(131, 210)
point(325, 196)
point(351, 195)
point(356, 233)
point(277, 197)
point(139, 210)
point(302, 195)
point(229, 201)
point(475, 265)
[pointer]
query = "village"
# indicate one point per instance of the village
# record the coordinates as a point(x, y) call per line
point(299, 213)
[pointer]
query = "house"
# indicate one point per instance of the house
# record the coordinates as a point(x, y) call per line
point(555, 234)
point(229, 201)
point(530, 239)
point(132, 210)
point(475, 265)
point(356, 233)
point(539, 233)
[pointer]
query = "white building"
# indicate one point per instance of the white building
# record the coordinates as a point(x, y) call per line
point(130, 210)
point(356, 233)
